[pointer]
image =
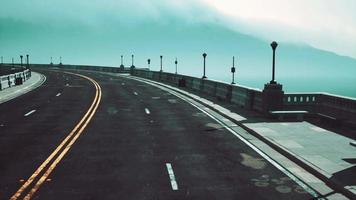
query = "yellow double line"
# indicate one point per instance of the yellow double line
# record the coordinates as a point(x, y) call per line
point(44, 170)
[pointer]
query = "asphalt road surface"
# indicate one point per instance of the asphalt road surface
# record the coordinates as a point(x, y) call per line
point(115, 138)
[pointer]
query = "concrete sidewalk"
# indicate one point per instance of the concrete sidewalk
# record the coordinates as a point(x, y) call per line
point(32, 83)
point(327, 152)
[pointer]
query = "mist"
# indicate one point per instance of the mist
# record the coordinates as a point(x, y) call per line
point(97, 33)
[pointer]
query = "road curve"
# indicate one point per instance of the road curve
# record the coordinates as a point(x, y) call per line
point(142, 143)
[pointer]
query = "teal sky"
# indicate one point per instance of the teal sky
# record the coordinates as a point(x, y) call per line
point(98, 32)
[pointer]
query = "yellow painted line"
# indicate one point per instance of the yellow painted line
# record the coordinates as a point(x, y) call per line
point(83, 123)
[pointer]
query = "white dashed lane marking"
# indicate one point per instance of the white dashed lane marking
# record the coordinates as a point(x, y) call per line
point(147, 111)
point(59, 94)
point(171, 176)
point(29, 113)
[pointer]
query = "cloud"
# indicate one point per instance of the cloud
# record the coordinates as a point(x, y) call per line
point(324, 24)
point(98, 12)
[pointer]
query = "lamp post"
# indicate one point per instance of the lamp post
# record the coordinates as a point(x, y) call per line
point(12, 61)
point(233, 70)
point(132, 61)
point(21, 57)
point(60, 60)
point(148, 63)
point(161, 63)
point(204, 56)
point(274, 45)
point(122, 63)
point(2, 62)
point(28, 61)
point(51, 61)
point(176, 63)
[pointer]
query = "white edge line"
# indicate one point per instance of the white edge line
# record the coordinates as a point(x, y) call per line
point(260, 152)
point(171, 176)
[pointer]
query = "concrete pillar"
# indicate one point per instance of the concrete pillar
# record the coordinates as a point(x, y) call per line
point(272, 97)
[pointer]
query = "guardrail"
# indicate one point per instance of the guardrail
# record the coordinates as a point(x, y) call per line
point(342, 109)
point(17, 78)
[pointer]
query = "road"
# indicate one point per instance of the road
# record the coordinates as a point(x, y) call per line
point(141, 143)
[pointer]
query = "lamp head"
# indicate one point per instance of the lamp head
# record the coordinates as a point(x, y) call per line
point(274, 45)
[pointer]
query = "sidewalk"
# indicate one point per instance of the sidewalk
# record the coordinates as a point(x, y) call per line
point(325, 151)
point(35, 81)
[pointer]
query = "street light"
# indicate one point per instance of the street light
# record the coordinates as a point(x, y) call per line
point(12, 60)
point(233, 70)
point(161, 63)
point(149, 63)
point(204, 56)
point(27, 61)
point(176, 63)
point(2, 61)
point(21, 56)
point(274, 45)
point(60, 60)
point(132, 61)
point(122, 62)
point(51, 61)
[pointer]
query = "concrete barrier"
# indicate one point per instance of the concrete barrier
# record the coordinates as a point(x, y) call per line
point(83, 67)
point(209, 87)
point(223, 91)
point(342, 109)
point(13, 79)
point(242, 96)
point(196, 84)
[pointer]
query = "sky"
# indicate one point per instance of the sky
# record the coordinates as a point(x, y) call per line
point(324, 24)
point(317, 38)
